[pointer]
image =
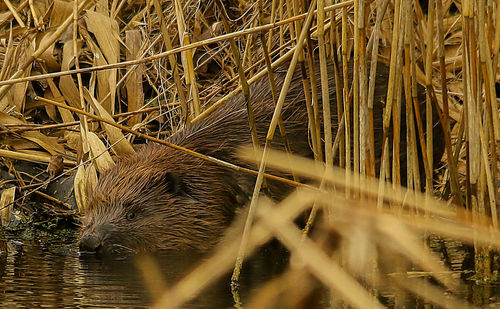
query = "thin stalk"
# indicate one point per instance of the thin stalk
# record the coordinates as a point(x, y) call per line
point(449, 153)
point(355, 98)
point(173, 63)
point(187, 59)
point(325, 97)
point(345, 99)
point(374, 40)
point(272, 83)
point(364, 124)
point(428, 82)
point(334, 40)
point(489, 118)
point(242, 76)
point(166, 143)
point(84, 126)
point(270, 135)
point(390, 97)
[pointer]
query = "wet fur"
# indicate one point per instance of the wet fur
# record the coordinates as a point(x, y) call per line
point(179, 201)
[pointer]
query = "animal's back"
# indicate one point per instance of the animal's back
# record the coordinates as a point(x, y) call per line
point(165, 198)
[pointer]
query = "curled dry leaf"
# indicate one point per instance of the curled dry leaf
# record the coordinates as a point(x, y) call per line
point(6, 201)
point(119, 144)
point(66, 84)
point(99, 153)
point(85, 179)
point(79, 188)
point(56, 166)
point(106, 32)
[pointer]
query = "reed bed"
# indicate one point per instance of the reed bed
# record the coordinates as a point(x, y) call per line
point(82, 81)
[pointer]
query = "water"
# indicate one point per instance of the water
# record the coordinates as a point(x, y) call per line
point(48, 272)
point(44, 272)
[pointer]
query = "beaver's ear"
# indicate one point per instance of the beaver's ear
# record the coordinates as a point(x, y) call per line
point(173, 183)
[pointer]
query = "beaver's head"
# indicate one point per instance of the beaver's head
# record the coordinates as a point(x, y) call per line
point(158, 199)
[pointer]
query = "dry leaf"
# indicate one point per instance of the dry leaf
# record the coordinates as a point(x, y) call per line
point(99, 153)
point(56, 166)
point(119, 144)
point(8, 197)
point(79, 188)
point(66, 84)
point(106, 33)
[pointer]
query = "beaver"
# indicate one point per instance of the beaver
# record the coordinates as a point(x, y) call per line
point(161, 198)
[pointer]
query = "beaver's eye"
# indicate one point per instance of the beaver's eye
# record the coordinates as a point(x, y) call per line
point(131, 215)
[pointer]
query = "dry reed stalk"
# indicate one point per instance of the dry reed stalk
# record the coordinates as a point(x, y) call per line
point(396, 108)
point(241, 75)
point(111, 123)
point(173, 62)
point(6, 205)
point(320, 265)
point(151, 274)
point(336, 58)
point(314, 95)
point(272, 18)
point(412, 175)
point(325, 97)
point(9, 51)
point(30, 157)
point(327, 126)
point(490, 120)
point(309, 85)
point(294, 289)
point(345, 95)
point(355, 96)
point(312, 108)
point(390, 99)
point(269, 137)
point(247, 54)
point(13, 11)
point(451, 162)
point(135, 93)
point(187, 60)
point(272, 81)
point(84, 129)
point(374, 40)
point(364, 125)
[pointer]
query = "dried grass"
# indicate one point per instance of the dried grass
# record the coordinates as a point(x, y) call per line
point(79, 79)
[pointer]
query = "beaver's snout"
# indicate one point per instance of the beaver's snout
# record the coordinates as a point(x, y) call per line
point(90, 243)
point(93, 239)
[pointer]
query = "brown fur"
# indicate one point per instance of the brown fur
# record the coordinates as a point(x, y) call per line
point(162, 198)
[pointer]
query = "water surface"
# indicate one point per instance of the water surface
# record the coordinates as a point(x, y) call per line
point(47, 272)
point(44, 272)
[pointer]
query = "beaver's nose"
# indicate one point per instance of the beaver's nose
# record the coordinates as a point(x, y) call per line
point(89, 243)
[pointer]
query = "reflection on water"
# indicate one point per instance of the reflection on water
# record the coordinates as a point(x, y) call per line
point(36, 274)
point(50, 273)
